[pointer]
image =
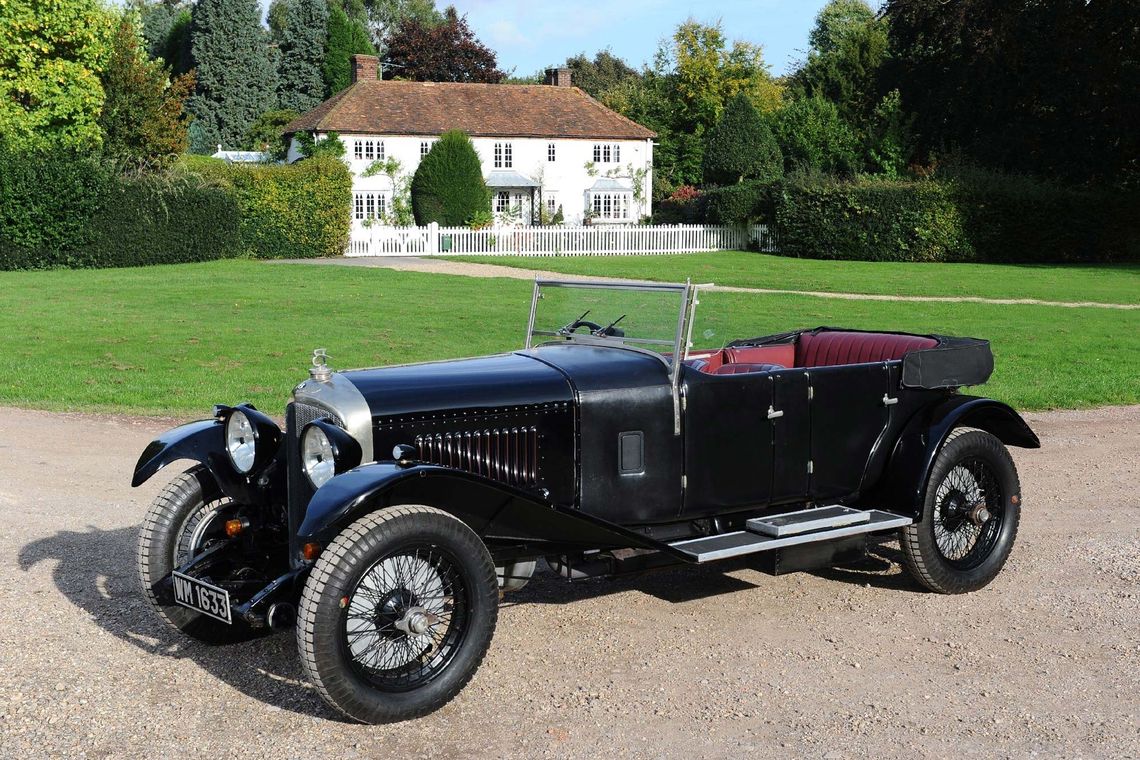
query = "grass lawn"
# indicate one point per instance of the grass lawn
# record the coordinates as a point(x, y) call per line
point(1114, 283)
point(173, 340)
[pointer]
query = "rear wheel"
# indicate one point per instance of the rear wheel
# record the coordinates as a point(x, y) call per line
point(183, 516)
point(970, 515)
point(397, 614)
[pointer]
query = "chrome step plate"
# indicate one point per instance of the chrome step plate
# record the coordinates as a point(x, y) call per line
point(743, 542)
point(806, 520)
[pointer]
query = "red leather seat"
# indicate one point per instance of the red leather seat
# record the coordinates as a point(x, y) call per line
point(744, 369)
point(828, 348)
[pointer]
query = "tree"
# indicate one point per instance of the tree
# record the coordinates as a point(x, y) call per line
point(604, 73)
point(448, 186)
point(851, 46)
point(277, 18)
point(813, 137)
point(236, 80)
point(1050, 87)
point(301, 85)
point(836, 20)
point(449, 52)
point(330, 145)
point(267, 133)
point(347, 37)
point(385, 17)
point(889, 141)
point(50, 93)
point(176, 49)
point(741, 146)
point(143, 121)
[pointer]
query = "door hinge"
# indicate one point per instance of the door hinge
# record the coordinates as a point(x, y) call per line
point(811, 467)
point(684, 482)
point(888, 401)
point(811, 392)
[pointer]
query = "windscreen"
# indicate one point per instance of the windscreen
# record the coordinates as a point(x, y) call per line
point(646, 316)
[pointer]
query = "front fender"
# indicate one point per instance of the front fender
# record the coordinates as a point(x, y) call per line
point(194, 440)
point(903, 488)
point(495, 511)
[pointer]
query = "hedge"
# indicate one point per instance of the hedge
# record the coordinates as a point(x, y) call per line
point(296, 211)
point(65, 210)
point(741, 203)
point(970, 217)
point(60, 209)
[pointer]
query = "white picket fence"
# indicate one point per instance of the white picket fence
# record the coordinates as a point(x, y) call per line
point(596, 240)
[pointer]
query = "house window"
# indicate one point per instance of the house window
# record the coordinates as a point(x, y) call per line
point(503, 157)
point(607, 153)
point(617, 153)
point(425, 147)
point(550, 152)
point(597, 154)
point(369, 205)
point(502, 202)
point(551, 204)
point(611, 205)
point(358, 150)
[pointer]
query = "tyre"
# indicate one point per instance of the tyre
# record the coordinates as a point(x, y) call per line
point(397, 614)
point(969, 518)
point(178, 521)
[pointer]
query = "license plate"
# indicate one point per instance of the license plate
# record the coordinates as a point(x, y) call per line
point(202, 597)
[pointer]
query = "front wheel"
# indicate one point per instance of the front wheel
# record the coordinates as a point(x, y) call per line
point(397, 614)
point(970, 515)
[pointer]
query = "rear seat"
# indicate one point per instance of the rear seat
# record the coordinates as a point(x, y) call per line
point(829, 348)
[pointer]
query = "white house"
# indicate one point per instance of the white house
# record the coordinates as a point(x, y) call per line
point(546, 144)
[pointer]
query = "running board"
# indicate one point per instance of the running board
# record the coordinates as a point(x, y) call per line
point(750, 541)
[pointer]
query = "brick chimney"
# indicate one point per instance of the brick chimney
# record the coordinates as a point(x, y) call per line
point(559, 77)
point(364, 68)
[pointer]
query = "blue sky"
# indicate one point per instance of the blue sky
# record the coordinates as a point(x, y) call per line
point(530, 35)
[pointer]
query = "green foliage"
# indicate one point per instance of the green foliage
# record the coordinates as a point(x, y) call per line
point(108, 220)
point(741, 146)
point(176, 48)
point(559, 217)
point(236, 79)
point(890, 141)
point(971, 217)
point(813, 137)
point(292, 211)
point(1050, 87)
point(50, 61)
point(277, 18)
point(742, 203)
point(143, 121)
point(301, 85)
point(845, 66)
point(329, 146)
point(448, 186)
point(387, 17)
point(399, 214)
point(603, 73)
point(267, 133)
point(346, 37)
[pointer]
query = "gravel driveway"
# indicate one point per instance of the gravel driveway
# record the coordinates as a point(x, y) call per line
point(697, 662)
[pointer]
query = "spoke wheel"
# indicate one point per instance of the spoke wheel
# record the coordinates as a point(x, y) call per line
point(397, 614)
point(407, 617)
point(970, 515)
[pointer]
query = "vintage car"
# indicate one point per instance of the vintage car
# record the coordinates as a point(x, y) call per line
point(398, 503)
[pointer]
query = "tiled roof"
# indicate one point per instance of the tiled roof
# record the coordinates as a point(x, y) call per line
point(480, 110)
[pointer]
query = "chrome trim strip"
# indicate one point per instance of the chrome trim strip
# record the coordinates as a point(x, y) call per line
point(340, 396)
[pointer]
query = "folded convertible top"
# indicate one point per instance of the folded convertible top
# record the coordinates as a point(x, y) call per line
point(950, 363)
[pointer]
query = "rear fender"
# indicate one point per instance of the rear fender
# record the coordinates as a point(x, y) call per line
point(498, 513)
point(903, 488)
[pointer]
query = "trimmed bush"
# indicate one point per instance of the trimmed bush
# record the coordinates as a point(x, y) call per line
point(741, 146)
point(297, 211)
point(739, 204)
point(63, 210)
point(448, 186)
point(971, 217)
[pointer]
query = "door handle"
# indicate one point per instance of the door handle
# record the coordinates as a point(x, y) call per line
point(888, 401)
point(773, 414)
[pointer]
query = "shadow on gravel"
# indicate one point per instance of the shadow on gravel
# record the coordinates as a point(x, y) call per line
point(95, 571)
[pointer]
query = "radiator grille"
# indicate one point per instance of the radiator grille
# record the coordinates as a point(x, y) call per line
point(509, 455)
point(306, 413)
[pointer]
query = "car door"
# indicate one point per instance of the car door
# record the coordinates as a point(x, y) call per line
point(728, 441)
point(848, 415)
point(791, 400)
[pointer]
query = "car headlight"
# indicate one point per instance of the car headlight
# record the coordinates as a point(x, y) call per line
point(327, 450)
point(252, 439)
point(241, 441)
